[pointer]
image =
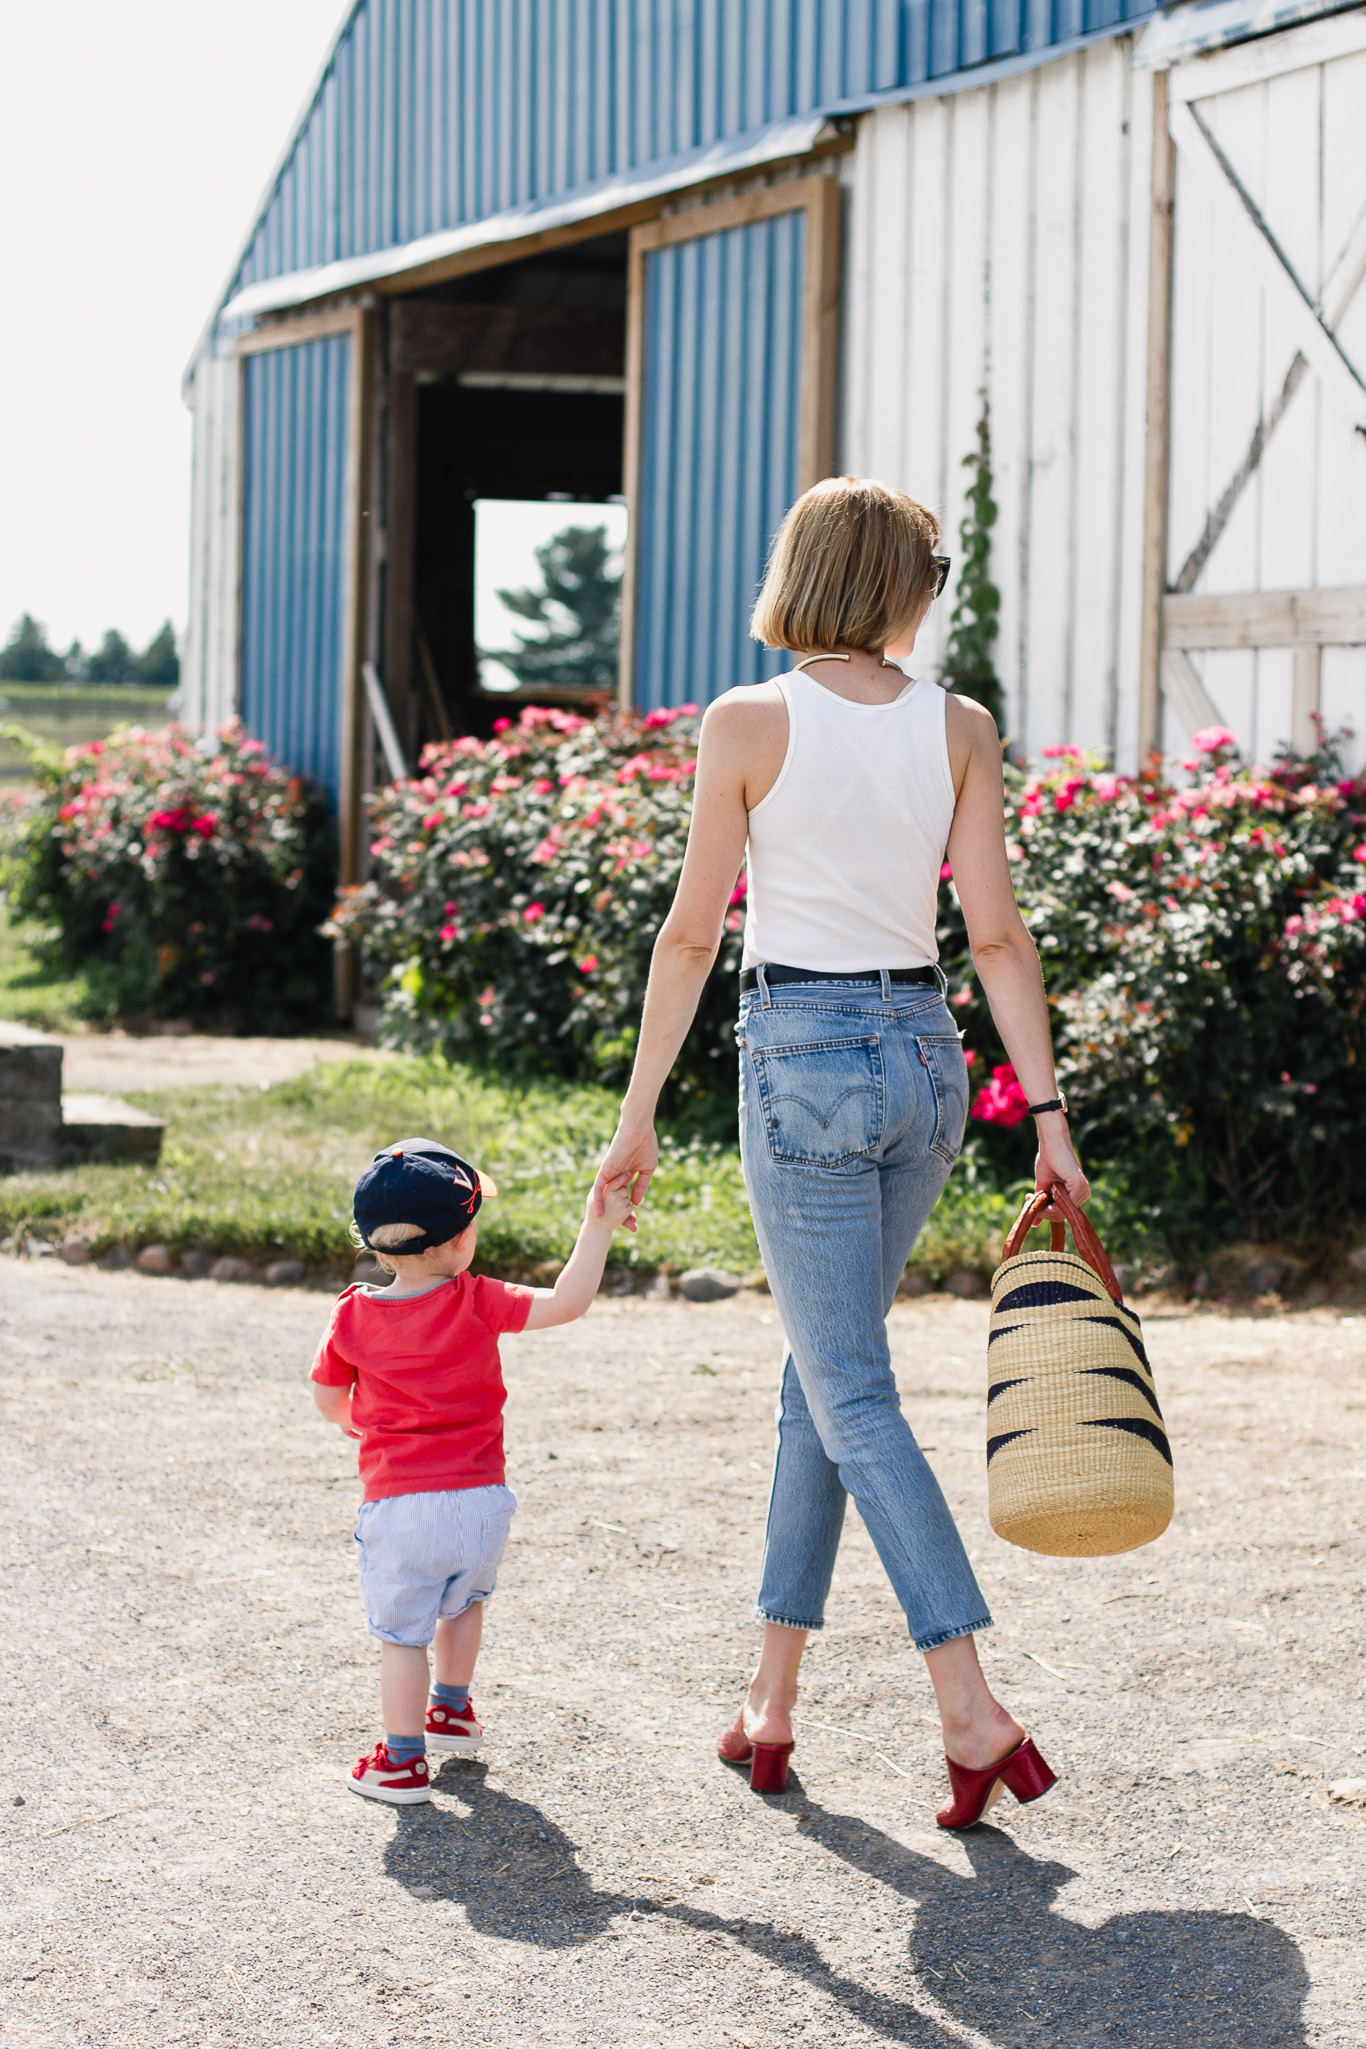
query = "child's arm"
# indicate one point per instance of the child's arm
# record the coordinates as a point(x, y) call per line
point(572, 1294)
point(335, 1404)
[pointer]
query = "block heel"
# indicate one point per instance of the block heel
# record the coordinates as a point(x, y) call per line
point(767, 1761)
point(1022, 1771)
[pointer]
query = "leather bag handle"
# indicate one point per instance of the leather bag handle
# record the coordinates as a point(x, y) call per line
point(1083, 1236)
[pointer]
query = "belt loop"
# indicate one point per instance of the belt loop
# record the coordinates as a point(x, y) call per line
point(762, 981)
point(886, 985)
point(941, 978)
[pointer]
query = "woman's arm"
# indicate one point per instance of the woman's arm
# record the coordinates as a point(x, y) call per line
point(736, 729)
point(1003, 953)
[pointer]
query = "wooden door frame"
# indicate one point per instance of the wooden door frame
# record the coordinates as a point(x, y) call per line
point(357, 322)
point(818, 197)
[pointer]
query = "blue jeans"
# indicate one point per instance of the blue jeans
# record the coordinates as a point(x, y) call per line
point(853, 1101)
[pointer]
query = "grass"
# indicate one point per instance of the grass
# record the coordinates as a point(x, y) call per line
point(267, 1173)
point(68, 713)
point(29, 992)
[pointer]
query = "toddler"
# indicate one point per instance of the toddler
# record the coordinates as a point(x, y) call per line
point(412, 1370)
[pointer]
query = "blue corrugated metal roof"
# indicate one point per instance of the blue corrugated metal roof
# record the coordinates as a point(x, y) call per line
point(433, 114)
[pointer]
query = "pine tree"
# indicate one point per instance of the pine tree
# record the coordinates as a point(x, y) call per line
point(26, 656)
point(578, 611)
point(969, 667)
point(113, 661)
point(159, 664)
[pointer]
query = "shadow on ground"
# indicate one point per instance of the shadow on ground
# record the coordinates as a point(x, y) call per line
point(989, 1950)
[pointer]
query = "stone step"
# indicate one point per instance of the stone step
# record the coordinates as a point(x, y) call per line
point(40, 1127)
point(104, 1128)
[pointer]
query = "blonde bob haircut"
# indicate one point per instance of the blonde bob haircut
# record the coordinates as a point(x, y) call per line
point(850, 567)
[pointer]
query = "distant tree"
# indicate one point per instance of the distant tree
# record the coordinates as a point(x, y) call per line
point(73, 663)
point(159, 663)
point(578, 612)
point(113, 661)
point(26, 656)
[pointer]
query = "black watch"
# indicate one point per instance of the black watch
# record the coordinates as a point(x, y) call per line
point(1058, 1102)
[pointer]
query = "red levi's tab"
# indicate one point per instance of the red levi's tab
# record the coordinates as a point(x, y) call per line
point(429, 1392)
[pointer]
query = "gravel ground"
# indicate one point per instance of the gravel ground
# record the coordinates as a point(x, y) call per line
point(187, 1680)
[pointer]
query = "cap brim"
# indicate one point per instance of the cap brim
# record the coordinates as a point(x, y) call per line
point(487, 1185)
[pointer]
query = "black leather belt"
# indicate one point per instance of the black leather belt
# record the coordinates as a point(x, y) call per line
point(774, 972)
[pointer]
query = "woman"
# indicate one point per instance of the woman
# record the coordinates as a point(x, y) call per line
point(843, 787)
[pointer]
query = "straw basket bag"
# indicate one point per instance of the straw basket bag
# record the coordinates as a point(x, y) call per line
point(1078, 1463)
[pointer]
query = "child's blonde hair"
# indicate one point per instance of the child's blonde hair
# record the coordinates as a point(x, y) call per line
point(386, 1238)
point(850, 566)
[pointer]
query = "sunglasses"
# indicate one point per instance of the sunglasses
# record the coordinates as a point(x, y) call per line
point(941, 564)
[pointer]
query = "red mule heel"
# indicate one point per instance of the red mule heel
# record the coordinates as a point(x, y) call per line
point(768, 1769)
point(767, 1761)
point(1023, 1771)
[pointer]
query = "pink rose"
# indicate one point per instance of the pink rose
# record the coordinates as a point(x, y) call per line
point(532, 913)
point(1212, 738)
point(1002, 1101)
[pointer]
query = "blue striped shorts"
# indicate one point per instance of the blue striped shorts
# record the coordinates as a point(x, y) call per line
point(427, 1557)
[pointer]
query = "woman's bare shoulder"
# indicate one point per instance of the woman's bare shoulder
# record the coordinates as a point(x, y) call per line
point(969, 721)
point(746, 706)
point(971, 733)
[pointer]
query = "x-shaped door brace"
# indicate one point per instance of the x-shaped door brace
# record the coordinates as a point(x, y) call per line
point(1313, 323)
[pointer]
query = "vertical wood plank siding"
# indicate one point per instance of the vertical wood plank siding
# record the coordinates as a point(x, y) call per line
point(1297, 143)
point(434, 113)
point(720, 413)
point(998, 242)
point(209, 667)
point(295, 436)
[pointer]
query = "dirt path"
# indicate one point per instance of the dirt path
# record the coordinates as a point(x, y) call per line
point(186, 1679)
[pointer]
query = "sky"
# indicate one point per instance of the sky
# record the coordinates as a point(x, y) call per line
point(135, 141)
point(507, 532)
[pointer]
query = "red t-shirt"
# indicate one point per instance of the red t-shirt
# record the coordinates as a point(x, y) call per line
point(429, 1392)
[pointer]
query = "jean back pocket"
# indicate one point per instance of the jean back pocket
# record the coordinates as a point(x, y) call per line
point(824, 1102)
point(942, 1059)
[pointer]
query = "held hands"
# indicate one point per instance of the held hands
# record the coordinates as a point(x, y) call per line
point(1057, 1161)
point(611, 1206)
point(628, 1166)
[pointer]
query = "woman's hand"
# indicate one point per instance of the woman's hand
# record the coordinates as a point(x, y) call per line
point(629, 1163)
point(1056, 1159)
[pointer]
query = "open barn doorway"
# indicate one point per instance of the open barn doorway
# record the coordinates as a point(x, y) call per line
point(502, 389)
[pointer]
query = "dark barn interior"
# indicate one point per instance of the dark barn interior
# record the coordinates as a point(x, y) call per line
point(506, 383)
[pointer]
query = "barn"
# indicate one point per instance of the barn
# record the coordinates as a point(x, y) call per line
point(695, 254)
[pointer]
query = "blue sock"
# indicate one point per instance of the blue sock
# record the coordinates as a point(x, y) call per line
point(456, 1697)
point(402, 1749)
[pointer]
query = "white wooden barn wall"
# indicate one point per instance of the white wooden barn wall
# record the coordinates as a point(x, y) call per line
point(209, 687)
point(1297, 144)
point(998, 240)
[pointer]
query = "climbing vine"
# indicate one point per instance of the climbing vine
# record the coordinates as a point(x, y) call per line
point(969, 667)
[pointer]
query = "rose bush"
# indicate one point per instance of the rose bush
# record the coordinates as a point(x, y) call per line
point(1204, 946)
point(182, 881)
point(519, 883)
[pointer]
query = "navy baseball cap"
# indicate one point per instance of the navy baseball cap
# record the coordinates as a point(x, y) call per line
point(417, 1181)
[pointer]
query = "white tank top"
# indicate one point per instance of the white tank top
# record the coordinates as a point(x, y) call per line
point(845, 850)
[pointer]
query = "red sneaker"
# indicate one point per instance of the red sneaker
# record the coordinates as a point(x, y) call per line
point(453, 1729)
point(377, 1777)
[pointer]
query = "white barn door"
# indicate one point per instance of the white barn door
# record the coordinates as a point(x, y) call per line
point(1264, 624)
